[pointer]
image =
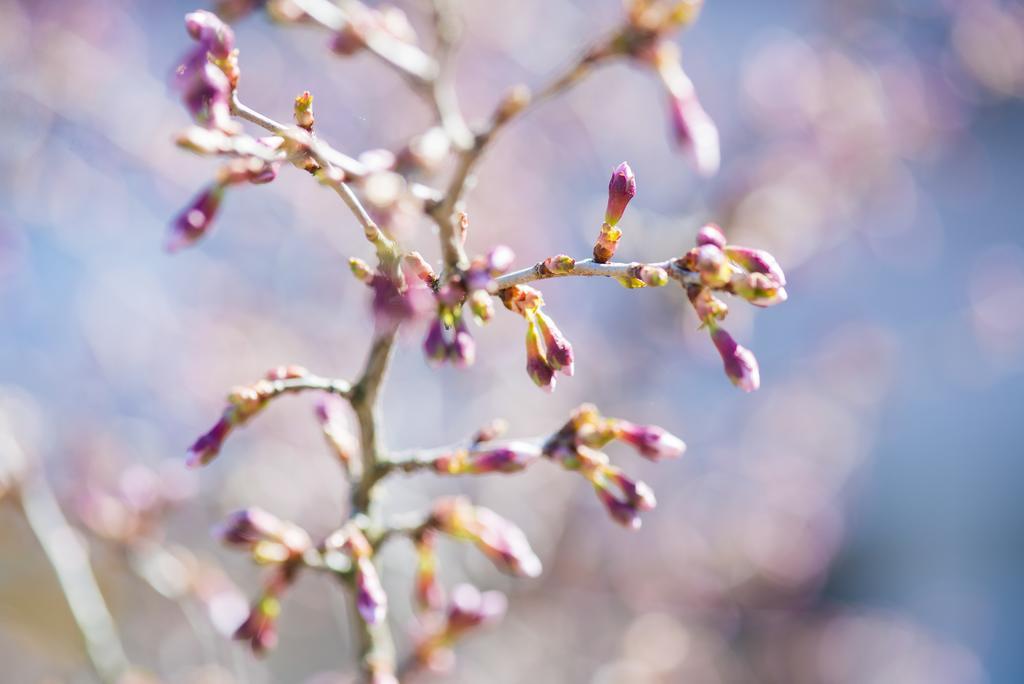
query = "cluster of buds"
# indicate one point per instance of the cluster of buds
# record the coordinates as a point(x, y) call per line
point(244, 402)
point(468, 609)
point(498, 539)
point(132, 508)
point(209, 71)
point(576, 446)
point(547, 349)
point(448, 338)
point(751, 274)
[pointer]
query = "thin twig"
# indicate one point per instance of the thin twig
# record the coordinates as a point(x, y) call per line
point(589, 267)
point(70, 561)
point(408, 60)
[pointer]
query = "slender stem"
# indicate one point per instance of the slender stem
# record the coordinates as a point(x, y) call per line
point(589, 267)
point(69, 559)
point(448, 28)
point(408, 60)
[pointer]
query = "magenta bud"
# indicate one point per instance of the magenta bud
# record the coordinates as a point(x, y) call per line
point(206, 448)
point(757, 261)
point(509, 458)
point(621, 189)
point(371, 600)
point(505, 544)
point(195, 220)
point(206, 92)
point(260, 627)
point(711, 234)
point(208, 30)
point(434, 345)
point(247, 527)
point(740, 364)
point(560, 355)
point(696, 133)
point(650, 441)
point(537, 366)
point(471, 608)
point(462, 350)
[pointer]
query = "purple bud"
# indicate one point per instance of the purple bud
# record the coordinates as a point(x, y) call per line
point(757, 261)
point(471, 608)
point(621, 189)
point(740, 364)
point(206, 448)
point(711, 234)
point(650, 441)
point(196, 219)
point(462, 350)
point(434, 345)
point(260, 627)
point(248, 526)
point(509, 458)
point(371, 600)
point(696, 133)
point(209, 31)
point(206, 92)
point(559, 352)
point(537, 367)
point(504, 543)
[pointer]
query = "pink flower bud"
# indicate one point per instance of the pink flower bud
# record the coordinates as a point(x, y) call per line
point(304, 111)
point(537, 367)
point(559, 264)
point(462, 350)
point(481, 305)
point(206, 448)
point(434, 344)
point(621, 189)
point(420, 268)
point(428, 591)
point(260, 627)
point(195, 220)
point(740, 364)
point(206, 92)
point(472, 608)
point(558, 350)
point(650, 441)
point(696, 133)
point(509, 458)
point(712, 265)
point(711, 234)
point(247, 527)
point(759, 289)
point(498, 539)
point(757, 261)
point(371, 600)
point(211, 33)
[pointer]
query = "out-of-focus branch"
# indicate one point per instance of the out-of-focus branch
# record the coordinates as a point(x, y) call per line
point(70, 561)
point(448, 29)
point(352, 169)
point(589, 267)
point(408, 60)
point(515, 104)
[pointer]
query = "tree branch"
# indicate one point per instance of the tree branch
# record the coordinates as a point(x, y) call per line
point(70, 561)
point(589, 267)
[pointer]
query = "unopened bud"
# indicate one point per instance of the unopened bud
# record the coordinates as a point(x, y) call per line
point(304, 111)
point(650, 441)
point(607, 242)
point(361, 270)
point(621, 189)
point(196, 219)
point(559, 352)
point(739, 362)
point(559, 264)
point(420, 268)
point(482, 306)
point(537, 367)
point(710, 234)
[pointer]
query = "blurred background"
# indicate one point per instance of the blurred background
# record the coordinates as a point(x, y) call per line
point(858, 519)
